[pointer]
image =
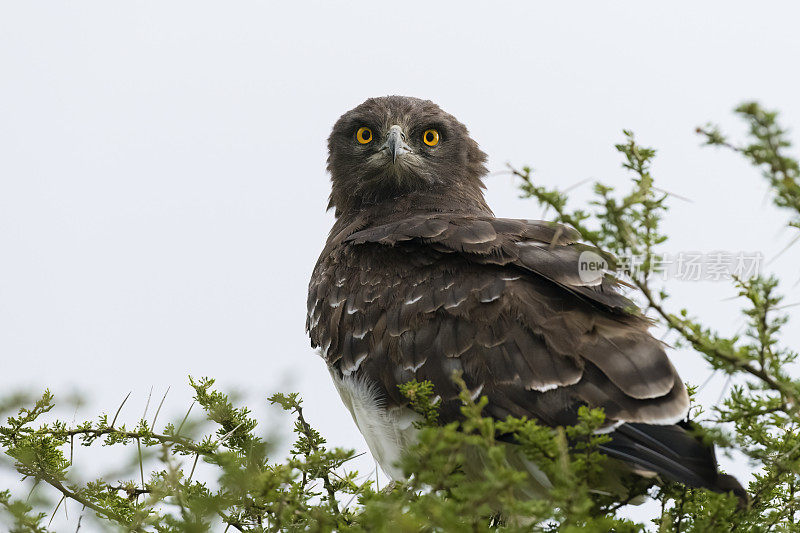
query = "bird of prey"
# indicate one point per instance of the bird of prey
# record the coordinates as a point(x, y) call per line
point(419, 279)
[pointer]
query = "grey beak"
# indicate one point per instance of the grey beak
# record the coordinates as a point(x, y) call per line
point(395, 143)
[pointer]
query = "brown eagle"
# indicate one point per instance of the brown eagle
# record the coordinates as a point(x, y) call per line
point(419, 279)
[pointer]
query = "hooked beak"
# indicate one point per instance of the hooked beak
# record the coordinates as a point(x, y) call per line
point(395, 143)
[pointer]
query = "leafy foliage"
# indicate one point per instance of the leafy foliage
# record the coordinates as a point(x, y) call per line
point(314, 489)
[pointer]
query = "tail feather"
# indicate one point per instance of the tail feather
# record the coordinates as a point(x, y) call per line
point(671, 451)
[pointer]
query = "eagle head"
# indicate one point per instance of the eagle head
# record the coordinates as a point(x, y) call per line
point(396, 147)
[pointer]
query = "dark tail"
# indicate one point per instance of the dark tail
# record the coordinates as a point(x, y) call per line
point(674, 453)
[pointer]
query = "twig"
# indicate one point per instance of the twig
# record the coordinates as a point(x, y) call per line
point(53, 514)
point(189, 479)
point(153, 425)
point(132, 491)
point(147, 404)
point(141, 467)
point(326, 482)
point(184, 419)
point(120, 409)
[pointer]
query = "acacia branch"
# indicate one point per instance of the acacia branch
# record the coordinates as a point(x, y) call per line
point(163, 439)
point(55, 483)
point(671, 321)
point(678, 325)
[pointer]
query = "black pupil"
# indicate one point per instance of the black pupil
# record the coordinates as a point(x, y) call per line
point(429, 136)
point(366, 135)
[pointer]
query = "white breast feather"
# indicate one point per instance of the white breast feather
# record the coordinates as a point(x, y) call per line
point(388, 432)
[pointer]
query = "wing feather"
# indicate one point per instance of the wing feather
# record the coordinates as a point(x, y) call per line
point(500, 300)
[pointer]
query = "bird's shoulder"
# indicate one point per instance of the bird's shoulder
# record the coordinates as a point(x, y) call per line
point(532, 248)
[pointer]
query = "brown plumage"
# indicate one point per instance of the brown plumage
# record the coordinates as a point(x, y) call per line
point(418, 279)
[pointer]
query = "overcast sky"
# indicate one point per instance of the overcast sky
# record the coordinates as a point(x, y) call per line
point(162, 164)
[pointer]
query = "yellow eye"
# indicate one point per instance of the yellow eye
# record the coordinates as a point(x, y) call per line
point(431, 137)
point(364, 135)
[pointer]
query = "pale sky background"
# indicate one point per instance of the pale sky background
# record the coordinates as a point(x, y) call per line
point(163, 184)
